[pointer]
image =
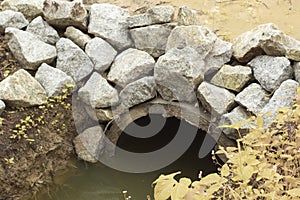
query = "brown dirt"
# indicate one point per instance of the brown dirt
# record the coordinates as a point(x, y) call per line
point(27, 166)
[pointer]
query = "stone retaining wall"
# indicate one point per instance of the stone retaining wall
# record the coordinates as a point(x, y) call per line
point(124, 67)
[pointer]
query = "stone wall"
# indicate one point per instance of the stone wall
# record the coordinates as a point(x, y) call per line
point(124, 67)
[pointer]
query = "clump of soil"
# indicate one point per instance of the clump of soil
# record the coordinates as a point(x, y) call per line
point(35, 142)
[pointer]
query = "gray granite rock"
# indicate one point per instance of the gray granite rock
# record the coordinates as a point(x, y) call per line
point(154, 15)
point(282, 97)
point(138, 92)
point(271, 71)
point(152, 39)
point(238, 114)
point(77, 36)
point(9, 18)
point(178, 73)
point(187, 16)
point(72, 60)
point(43, 30)
point(30, 9)
point(214, 51)
point(89, 143)
point(65, 13)
point(53, 80)
point(98, 93)
point(232, 77)
point(110, 23)
point(253, 97)
point(265, 39)
point(130, 65)
point(2, 106)
point(22, 90)
point(215, 100)
point(296, 67)
point(101, 53)
point(28, 49)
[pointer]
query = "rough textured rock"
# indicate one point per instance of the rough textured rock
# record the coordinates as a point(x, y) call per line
point(53, 80)
point(22, 90)
point(101, 53)
point(9, 18)
point(215, 100)
point(282, 97)
point(43, 30)
point(187, 16)
point(130, 65)
point(214, 51)
point(88, 144)
point(253, 97)
point(152, 39)
point(232, 77)
point(268, 39)
point(72, 60)
point(104, 115)
point(30, 9)
point(178, 73)
point(98, 93)
point(238, 114)
point(28, 49)
point(297, 71)
point(2, 106)
point(138, 92)
point(271, 71)
point(64, 13)
point(77, 36)
point(109, 22)
point(154, 15)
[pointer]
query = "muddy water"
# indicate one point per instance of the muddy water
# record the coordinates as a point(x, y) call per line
point(98, 182)
point(228, 18)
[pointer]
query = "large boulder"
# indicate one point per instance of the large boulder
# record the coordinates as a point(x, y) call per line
point(30, 51)
point(64, 13)
point(130, 65)
point(232, 77)
point(214, 99)
point(296, 67)
point(214, 51)
point(265, 39)
point(237, 115)
point(271, 71)
point(72, 60)
point(101, 53)
point(2, 106)
point(43, 30)
point(152, 39)
point(30, 9)
point(53, 80)
point(77, 36)
point(109, 22)
point(187, 16)
point(89, 143)
point(154, 15)
point(178, 73)
point(9, 18)
point(253, 97)
point(22, 90)
point(138, 92)
point(282, 97)
point(98, 93)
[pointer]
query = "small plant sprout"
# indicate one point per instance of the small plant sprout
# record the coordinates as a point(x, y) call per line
point(9, 160)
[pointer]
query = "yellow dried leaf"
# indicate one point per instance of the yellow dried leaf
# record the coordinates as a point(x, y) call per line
point(225, 170)
point(181, 189)
point(164, 185)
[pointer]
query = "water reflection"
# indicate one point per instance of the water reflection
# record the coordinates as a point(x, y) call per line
point(98, 182)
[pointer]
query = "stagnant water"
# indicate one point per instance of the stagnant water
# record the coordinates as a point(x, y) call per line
point(98, 182)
